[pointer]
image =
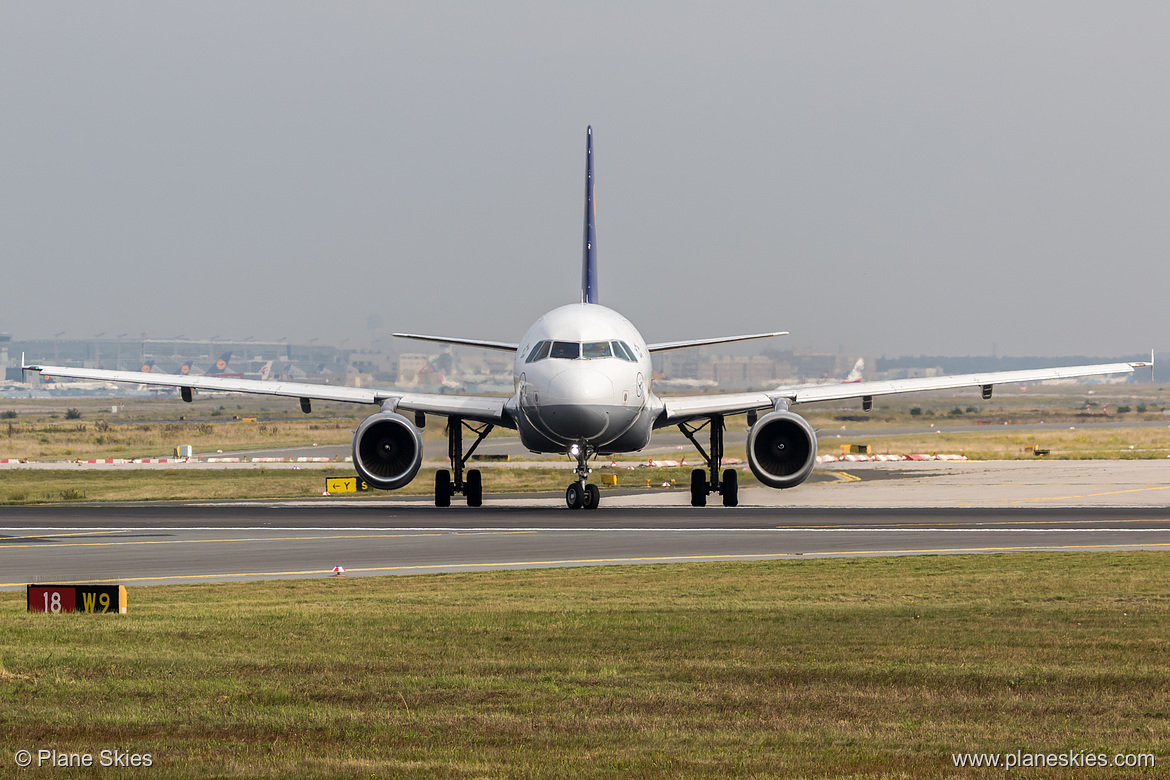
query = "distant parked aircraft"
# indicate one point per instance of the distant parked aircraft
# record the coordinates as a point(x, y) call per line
point(220, 368)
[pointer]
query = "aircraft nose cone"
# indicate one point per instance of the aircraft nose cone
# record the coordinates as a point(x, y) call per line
point(580, 386)
point(577, 404)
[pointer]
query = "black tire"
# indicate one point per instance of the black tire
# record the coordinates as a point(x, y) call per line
point(592, 498)
point(730, 487)
point(574, 496)
point(442, 488)
point(698, 488)
point(474, 488)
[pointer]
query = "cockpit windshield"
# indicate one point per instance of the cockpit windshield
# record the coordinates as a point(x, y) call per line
point(569, 350)
point(590, 350)
point(596, 349)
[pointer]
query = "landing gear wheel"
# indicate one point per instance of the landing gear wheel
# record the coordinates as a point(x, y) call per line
point(574, 496)
point(442, 488)
point(730, 487)
point(698, 488)
point(474, 488)
point(592, 497)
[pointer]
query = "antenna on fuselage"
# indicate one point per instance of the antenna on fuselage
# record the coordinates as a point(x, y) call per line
point(589, 255)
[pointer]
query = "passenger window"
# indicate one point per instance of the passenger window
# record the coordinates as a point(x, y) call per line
point(568, 350)
point(596, 349)
point(539, 352)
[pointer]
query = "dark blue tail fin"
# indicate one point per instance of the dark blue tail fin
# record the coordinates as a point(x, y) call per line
point(589, 258)
point(221, 364)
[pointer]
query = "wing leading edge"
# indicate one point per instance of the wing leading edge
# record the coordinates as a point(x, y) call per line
point(503, 346)
point(663, 346)
point(475, 408)
point(681, 408)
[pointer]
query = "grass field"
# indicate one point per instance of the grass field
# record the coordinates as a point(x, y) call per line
point(37, 486)
point(875, 668)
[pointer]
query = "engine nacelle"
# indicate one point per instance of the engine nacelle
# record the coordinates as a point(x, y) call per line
point(387, 451)
point(782, 449)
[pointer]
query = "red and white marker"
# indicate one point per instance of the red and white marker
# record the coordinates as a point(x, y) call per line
point(338, 571)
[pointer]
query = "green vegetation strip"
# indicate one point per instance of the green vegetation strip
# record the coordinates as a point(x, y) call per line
point(878, 667)
point(38, 486)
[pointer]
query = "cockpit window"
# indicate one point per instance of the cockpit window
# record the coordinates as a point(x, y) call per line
point(596, 349)
point(624, 352)
point(539, 352)
point(569, 350)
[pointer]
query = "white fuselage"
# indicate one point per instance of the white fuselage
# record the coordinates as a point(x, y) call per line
point(583, 377)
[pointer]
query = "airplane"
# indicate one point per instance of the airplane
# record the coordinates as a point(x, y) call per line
point(220, 368)
point(583, 387)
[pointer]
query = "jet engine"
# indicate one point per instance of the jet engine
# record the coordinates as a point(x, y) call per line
point(782, 449)
point(387, 451)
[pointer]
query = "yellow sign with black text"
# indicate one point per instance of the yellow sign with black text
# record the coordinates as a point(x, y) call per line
point(346, 485)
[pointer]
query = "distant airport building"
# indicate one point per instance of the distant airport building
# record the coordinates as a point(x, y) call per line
point(5, 340)
point(753, 371)
point(247, 356)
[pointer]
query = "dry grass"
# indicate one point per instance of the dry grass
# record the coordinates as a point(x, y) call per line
point(68, 440)
point(1108, 443)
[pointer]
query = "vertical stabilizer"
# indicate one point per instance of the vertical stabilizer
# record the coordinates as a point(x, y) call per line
point(221, 364)
point(589, 257)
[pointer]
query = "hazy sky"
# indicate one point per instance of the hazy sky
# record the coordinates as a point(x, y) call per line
point(893, 178)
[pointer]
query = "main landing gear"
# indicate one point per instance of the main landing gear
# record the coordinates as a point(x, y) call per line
point(580, 494)
point(445, 486)
point(728, 487)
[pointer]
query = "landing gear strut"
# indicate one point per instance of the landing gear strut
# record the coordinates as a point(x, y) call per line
point(728, 487)
point(445, 486)
point(580, 494)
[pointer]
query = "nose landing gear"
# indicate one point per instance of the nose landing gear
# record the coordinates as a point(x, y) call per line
point(580, 494)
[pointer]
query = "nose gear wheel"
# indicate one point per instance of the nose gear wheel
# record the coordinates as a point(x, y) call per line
point(581, 494)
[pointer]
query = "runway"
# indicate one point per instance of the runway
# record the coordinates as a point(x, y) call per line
point(956, 508)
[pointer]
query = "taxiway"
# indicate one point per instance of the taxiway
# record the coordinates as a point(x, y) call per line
point(867, 509)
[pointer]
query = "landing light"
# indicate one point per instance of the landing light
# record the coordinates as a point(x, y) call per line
point(574, 450)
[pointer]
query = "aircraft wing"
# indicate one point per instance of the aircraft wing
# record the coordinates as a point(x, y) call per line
point(663, 346)
point(476, 408)
point(502, 346)
point(681, 408)
point(812, 393)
